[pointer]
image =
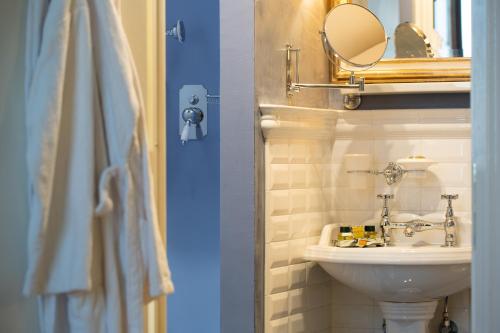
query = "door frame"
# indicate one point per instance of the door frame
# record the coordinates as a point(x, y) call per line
point(144, 23)
point(237, 167)
point(485, 164)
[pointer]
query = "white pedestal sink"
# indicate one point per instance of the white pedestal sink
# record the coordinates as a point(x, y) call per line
point(406, 280)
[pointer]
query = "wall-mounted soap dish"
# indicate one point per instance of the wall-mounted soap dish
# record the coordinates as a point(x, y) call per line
point(395, 171)
point(415, 163)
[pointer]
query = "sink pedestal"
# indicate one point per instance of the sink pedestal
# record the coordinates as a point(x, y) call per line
point(408, 317)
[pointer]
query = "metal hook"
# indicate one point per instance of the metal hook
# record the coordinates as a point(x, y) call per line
point(178, 31)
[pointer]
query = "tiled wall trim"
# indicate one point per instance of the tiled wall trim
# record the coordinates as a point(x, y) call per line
point(279, 121)
point(403, 124)
point(297, 293)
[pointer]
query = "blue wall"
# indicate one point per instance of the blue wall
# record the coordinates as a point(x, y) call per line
point(193, 212)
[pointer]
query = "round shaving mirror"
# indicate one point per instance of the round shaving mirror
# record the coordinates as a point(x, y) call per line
point(355, 35)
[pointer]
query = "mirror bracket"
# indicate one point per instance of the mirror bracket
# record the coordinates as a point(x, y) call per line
point(293, 85)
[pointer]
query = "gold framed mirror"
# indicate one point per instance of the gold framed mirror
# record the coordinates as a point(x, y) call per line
point(406, 70)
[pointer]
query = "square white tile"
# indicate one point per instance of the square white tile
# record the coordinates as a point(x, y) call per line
point(297, 250)
point(277, 254)
point(297, 324)
point(278, 177)
point(297, 276)
point(276, 151)
point(298, 152)
point(297, 301)
point(298, 175)
point(299, 225)
point(278, 228)
point(276, 306)
point(278, 326)
point(278, 202)
point(277, 281)
point(298, 201)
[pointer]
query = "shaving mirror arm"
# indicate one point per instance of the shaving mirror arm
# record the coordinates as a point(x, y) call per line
point(293, 85)
point(356, 47)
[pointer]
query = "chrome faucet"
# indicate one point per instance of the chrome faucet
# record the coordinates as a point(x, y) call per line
point(419, 225)
point(385, 221)
point(449, 224)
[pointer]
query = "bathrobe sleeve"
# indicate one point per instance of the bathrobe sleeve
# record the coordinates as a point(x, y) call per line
point(61, 106)
point(124, 116)
point(156, 266)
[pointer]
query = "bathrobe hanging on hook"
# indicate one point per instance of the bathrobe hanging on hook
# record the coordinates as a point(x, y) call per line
point(95, 254)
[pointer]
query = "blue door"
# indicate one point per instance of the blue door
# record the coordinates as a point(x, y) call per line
point(193, 240)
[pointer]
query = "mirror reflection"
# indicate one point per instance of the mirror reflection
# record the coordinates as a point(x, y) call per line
point(444, 26)
point(411, 42)
point(361, 45)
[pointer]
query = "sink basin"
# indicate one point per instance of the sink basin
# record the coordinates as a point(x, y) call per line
point(405, 280)
point(397, 274)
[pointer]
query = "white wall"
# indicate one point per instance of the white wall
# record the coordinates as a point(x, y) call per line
point(297, 293)
point(307, 187)
point(291, 301)
point(17, 314)
point(296, 22)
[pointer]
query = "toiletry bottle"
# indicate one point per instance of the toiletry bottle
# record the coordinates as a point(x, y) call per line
point(370, 232)
point(358, 231)
point(345, 233)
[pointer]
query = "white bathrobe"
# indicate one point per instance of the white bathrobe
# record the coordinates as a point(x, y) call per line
point(95, 255)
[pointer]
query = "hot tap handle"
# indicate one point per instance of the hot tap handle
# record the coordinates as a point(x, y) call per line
point(449, 196)
point(385, 197)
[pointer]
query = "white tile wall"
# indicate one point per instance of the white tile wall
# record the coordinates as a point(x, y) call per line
point(298, 293)
point(306, 188)
point(355, 312)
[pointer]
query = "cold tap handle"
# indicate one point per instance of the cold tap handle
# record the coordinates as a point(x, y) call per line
point(449, 196)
